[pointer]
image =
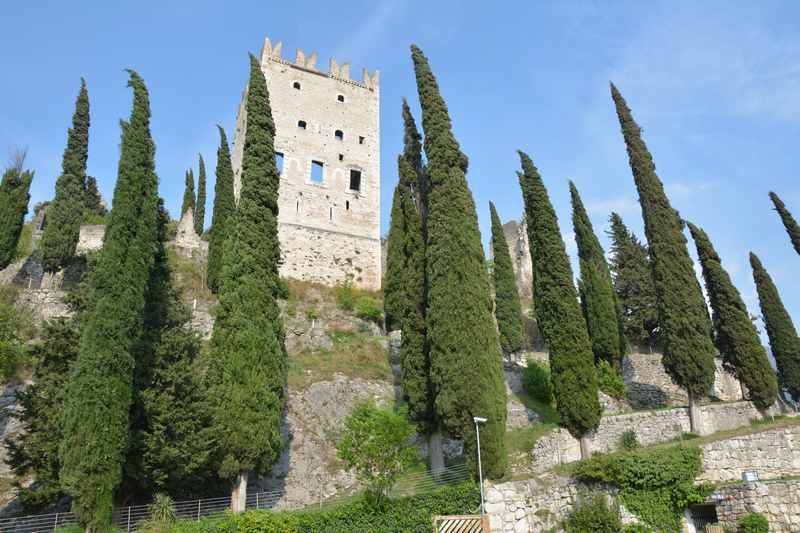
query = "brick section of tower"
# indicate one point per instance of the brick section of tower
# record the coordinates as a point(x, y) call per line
point(329, 230)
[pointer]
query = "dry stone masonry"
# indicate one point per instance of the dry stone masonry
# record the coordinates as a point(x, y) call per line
point(328, 146)
point(770, 454)
point(778, 501)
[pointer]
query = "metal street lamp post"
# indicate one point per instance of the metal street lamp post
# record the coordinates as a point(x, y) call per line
point(479, 420)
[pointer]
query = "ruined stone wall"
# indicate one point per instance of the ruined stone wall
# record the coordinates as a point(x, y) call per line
point(328, 229)
point(517, 238)
point(90, 238)
point(771, 454)
point(778, 501)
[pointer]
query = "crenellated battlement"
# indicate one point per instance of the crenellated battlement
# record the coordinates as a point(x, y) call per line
point(309, 63)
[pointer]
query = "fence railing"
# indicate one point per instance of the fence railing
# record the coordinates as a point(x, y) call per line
point(130, 518)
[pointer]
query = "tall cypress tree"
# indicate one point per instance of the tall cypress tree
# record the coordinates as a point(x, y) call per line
point(200, 205)
point(94, 201)
point(188, 193)
point(466, 366)
point(633, 284)
point(248, 373)
point(222, 215)
point(788, 221)
point(688, 349)
point(601, 305)
point(558, 312)
point(14, 197)
point(99, 390)
point(506, 296)
point(782, 334)
point(736, 336)
point(65, 213)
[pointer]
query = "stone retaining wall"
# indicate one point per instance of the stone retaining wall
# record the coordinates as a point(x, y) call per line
point(778, 501)
point(771, 454)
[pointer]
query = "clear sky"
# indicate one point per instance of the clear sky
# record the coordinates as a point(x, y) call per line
point(715, 87)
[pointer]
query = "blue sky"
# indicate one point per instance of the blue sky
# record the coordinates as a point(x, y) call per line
point(715, 87)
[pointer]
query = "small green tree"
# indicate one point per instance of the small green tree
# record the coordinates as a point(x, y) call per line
point(224, 208)
point(753, 523)
point(65, 213)
point(788, 221)
point(200, 205)
point(375, 442)
point(14, 197)
point(601, 308)
point(507, 310)
point(736, 335)
point(188, 193)
point(633, 283)
point(592, 514)
point(783, 339)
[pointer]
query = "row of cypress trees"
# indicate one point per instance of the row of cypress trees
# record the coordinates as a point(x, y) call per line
point(196, 203)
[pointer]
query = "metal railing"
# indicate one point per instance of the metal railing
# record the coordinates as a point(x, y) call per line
point(130, 518)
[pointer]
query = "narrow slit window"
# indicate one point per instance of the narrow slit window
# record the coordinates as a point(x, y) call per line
point(301, 124)
point(279, 163)
point(360, 139)
point(355, 180)
point(296, 85)
point(330, 213)
point(347, 205)
point(339, 134)
point(316, 171)
point(340, 98)
point(297, 207)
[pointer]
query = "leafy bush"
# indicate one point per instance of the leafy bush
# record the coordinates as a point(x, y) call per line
point(16, 327)
point(344, 295)
point(369, 309)
point(610, 381)
point(162, 515)
point(753, 523)
point(410, 514)
point(636, 528)
point(654, 484)
point(376, 444)
point(536, 381)
point(592, 514)
point(311, 313)
point(628, 441)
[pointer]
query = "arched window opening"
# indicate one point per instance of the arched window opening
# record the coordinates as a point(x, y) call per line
point(296, 85)
point(301, 124)
point(339, 134)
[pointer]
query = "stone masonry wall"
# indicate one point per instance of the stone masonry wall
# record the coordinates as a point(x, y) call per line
point(771, 454)
point(778, 501)
point(90, 238)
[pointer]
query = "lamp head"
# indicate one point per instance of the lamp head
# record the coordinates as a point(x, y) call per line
point(479, 419)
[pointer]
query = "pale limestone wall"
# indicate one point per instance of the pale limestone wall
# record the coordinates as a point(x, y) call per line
point(90, 238)
point(518, 246)
point(46, 304)
point(651, 427)
point(771, 454)
point(343, 224)
point(185, 236)
point(778, 501)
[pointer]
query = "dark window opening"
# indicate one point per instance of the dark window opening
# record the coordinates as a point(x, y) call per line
point(296, 85)
point(279, 162)
point(341, 157)
point(301, 124)
point(360, 140)
point(339, 134)
point(355, 180)
point(347, 205)
point(316, 171)
point(340, 98)
point(297, 207)
point(330, 213)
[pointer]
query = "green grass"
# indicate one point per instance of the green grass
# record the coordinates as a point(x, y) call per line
point(352, 354)
point(522, 440)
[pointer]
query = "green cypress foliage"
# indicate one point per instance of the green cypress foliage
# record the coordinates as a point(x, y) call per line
point(788, 221)
point(248, 372)
point(200, 210)
point(688, 349)
point(99, 391)
point(14, 197)
point(94, 201)
point(633, 284)
point(188, 193)
point(224, 208)
point(736, 336)
point(782, 334)
point(466, 366)
point(507, 308)
point(601, 305)
point(65, 214)
point(557, 309)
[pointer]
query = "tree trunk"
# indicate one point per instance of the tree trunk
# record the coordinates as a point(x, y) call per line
point(239, 493)
point(586, 450)
point(695, 416)
point(436, 453)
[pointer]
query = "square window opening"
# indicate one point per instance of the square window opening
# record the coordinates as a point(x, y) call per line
point(360, 139)
point(340, 98)
point(279, 163)
point(301, 124)
point(316, 171)
point(355, 180)
point(341, 157)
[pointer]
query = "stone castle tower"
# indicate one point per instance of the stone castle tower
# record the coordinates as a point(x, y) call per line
point(327, 142)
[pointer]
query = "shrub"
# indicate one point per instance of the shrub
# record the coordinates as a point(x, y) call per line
point(636, 528)
point(536, 381)
point(628, 441)
point(311, 313)
point(369, 309)
point(344, 295)
point(609, 380)
point(592, 514)
point(375, 443)
point(162, 515)
point(753, 523)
